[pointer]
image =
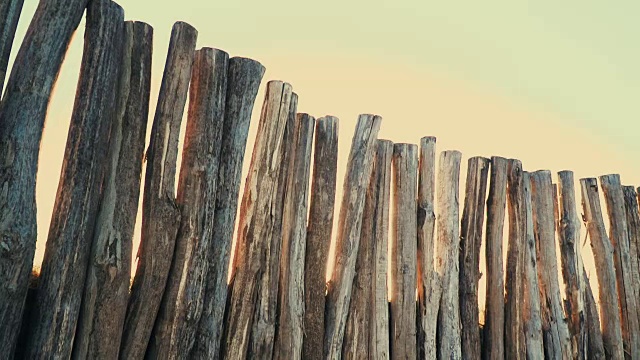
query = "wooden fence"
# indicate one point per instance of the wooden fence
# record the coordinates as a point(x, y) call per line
point(418, 300)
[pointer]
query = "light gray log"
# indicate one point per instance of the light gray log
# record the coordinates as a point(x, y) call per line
point(619, 236)
point(357, 178)
point(22, 114)
point(160, 214)
point(79, 194)
point(493, 342)
point(447, 254)
point(290, 329)
point(255, 228)
point(603, 256)
point(243, 80)
point(633, 225)
point(429, 281)
point(9, 15)
point(319, 229)
point(470, 240)
point(106, 290)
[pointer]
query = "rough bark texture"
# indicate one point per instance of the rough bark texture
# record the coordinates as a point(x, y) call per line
point(106, 290)
point(403, 252)
point(319, 229)
point(447, 256)
point(9, 15)
point(160, 214)
point(592, 320)
point(177, 321)
point(357, 178)
point(22, 114)
point(619, 236)
point(429, 282)
point(603, 256)
point(633, 225)
point(290, 329)
point(470, 241)
point(80, 188)
point(257, 212)
point(493, 342)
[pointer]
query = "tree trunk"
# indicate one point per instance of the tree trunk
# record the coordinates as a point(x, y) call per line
point(633, 225)
point(9, 15)
point(106, 290)
point(160, 214)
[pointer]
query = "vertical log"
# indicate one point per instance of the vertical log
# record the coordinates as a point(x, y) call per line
point(294, 230)
point(319, 229)
point(22, 114)
point(106, 290)
point(603, 256)
point(592, 320)
point(403, 252)
point(633, 225)
point(619, 236)
point(470, 241)
point(357, 178)
point(256, 223)
point(79, 191)
point(160, 214)
point(493, 342)
point(447, 256)
point(243, 80)
point(429, 281)
point(9, 15)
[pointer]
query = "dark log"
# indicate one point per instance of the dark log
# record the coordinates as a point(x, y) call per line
point(22, 114)
point(160, 214)
point(633, 225)
point(592, 321)
point(9, 15)
point(106, 290)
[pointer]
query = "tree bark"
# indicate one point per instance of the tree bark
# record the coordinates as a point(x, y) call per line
point(603, 256)
point(80, 188)
point(22, 114)
point(633, 225)
point(160, 214)
point(9, 15)
point(319, 229)
point(357, 178)
point(106, 289)
point(243, 79)
point(493, 343)
point(470, 241)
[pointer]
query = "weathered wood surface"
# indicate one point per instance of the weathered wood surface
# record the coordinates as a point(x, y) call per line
point(359, 166)
point(22, 114)
point(403, 252)
point(9, 15)
point(319, 229)
point(447, 254)
point(470, 240)
point(619, 237)
point(182, 303)
point(557, 342)
point(633, 226)
point(106, 290)
point(603, 256)
point(592, 322)
point(429, 281)
point(79, 193)
point(160, 214)
point(243, 80)
point(290, 331)
point(493, 340)
point(259, 202)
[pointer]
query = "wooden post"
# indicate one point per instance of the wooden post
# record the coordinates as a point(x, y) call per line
point(619, 236)
point(493, 342)
point(243, 80)
point(9, 15)
point(592, 320)
point(106, 290)
point(447, 256)
point(256, 223)
point(603, 256)
point(403, 252)
point(290, 330)
point(22, 114)
point(80, 188)
point(429, 282)
point(633, 225)
point(470, 241)
point(557, 343)
point(357, 178)
point(319, 229)
point(160, 214)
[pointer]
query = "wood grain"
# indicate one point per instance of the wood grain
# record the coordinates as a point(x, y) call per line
point(9, 15)
point(633, 225)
